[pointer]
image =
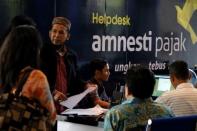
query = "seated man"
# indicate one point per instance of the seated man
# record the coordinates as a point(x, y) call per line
point(99, 73)
point(182, 100)
point(138, 107)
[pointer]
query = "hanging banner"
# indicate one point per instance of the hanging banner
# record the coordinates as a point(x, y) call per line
point(131, 32)
point(125, 32)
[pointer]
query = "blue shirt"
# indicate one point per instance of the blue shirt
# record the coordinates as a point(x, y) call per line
point(134, 112)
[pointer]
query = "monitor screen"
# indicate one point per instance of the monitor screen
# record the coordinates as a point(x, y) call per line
point(162, 84)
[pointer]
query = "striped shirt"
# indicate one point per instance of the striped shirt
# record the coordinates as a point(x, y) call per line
point(182, 100)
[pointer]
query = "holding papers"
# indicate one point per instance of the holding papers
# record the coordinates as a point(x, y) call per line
point(74, 100)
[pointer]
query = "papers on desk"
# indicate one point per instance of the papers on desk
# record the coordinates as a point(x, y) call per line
point(97, 110)
point(74, 100)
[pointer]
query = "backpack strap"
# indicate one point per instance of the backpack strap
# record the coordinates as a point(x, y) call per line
point(23, 80)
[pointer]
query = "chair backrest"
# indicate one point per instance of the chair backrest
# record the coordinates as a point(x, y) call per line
point(193, 77)
point(183, 123)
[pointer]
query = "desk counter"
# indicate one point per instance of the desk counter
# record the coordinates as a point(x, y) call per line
point(69, 126)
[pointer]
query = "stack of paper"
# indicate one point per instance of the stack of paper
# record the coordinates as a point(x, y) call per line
point(97, 110)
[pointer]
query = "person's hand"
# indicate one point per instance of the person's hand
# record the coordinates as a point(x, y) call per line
point(91, 87)
point(59, 96)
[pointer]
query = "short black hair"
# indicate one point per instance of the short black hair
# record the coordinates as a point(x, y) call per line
point(140, 81)
point(179, 69)
point(97, 64)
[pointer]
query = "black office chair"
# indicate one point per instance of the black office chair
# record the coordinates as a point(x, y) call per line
point(193, 77)
point(138, 128)
point(183, 123)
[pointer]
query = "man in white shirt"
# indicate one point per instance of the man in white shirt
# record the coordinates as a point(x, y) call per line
point(182, 100)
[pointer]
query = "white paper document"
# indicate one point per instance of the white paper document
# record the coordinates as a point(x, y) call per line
point(97, 110)
point(74, 100)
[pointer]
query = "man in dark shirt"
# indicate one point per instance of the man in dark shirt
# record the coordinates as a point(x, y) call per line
point(99, 73)
point(59, 63)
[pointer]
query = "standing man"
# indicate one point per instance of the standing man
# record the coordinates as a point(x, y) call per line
point(59, 63)
point(182, 100)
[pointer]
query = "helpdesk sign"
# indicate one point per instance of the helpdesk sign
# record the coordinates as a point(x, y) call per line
point(128, 33)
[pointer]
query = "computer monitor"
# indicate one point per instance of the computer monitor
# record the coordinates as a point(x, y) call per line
point(162, 85)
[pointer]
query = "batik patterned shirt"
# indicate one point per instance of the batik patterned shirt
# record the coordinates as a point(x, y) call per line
point(134, 112)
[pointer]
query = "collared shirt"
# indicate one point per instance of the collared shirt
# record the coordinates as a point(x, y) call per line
point(61, 81)
point(182, 100)
point(61, 76)
point(134, 112)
